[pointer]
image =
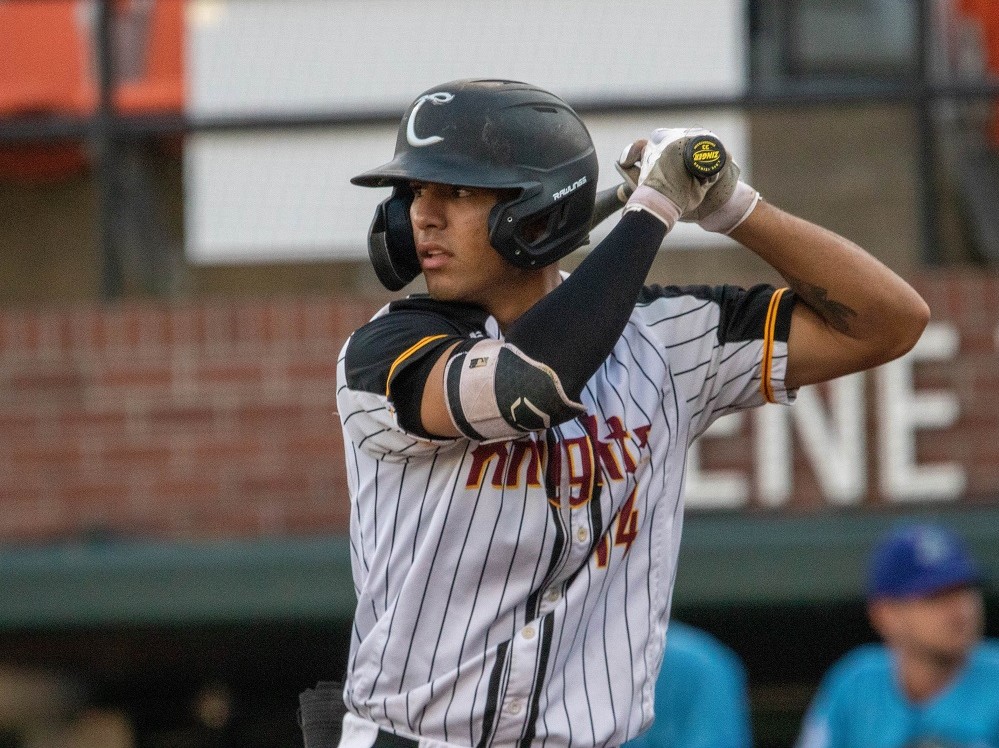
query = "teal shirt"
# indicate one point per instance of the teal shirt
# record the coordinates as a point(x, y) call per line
point(701, 695)
point(859, 705)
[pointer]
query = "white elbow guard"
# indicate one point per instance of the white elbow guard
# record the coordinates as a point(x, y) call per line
point(494, 391)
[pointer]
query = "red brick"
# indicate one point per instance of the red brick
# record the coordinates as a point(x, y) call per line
point(19, 423)
point(234, 448)
point(312, 370)
point(55, 334)
point(180, 417)
point(317, 521)
point(262, 322)
point(288, 485)
point(49, 455)
point(317, 445)
point(47, 382)
point(90, 421)
point(180, 490)
point(121, 455)
point(256, 415)
point(219, 325)
point(129, 374)
point(94, 490)
point(230, 373)
point(90, 330)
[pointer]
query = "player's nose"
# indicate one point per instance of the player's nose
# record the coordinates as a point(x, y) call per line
point(427, 211)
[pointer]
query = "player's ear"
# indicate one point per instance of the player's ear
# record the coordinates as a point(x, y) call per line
point(881, 614)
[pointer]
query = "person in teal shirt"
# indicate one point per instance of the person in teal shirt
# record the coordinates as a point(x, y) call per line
point(933, 682)
point(701, 695)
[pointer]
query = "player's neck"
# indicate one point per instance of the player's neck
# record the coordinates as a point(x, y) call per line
point(508, 307)
point(922, 677)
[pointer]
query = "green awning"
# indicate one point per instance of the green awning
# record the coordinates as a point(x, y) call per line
point(726, 559)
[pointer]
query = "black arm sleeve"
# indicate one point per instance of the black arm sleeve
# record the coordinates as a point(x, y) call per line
point(574, 328)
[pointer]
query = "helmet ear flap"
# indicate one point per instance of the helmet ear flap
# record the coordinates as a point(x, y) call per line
point(391, 247)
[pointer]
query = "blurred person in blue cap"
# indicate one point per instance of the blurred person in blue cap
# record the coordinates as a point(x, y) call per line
point(934, 682)
point(701, 696)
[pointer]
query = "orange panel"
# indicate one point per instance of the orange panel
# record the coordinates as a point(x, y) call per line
point(42, 61)
point(48, 66)
point(986, 14)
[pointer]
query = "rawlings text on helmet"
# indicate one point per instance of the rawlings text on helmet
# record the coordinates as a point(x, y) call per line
point(570, 189)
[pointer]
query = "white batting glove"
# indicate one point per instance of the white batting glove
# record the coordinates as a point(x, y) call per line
point(664, 187)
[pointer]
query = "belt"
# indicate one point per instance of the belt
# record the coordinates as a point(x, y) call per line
point(387, 739)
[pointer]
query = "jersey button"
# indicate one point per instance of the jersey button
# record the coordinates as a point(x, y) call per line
point(529, 632)
point(553, 596)
point(514, 707)
point(582, 534)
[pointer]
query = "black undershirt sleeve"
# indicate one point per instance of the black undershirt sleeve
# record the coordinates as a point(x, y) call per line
point(575, 326)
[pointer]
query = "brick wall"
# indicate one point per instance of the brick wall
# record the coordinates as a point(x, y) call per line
point(202, 419)
point(969, 301)
point(218, 418)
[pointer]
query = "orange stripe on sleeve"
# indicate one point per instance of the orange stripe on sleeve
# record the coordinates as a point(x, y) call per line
point(406, 354)
point(769, 330)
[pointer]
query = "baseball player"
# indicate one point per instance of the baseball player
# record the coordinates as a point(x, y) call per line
point(515, 438)
point(933, 682)
point(702, 695)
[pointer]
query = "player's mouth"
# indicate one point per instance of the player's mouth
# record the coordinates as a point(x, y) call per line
point(432, 256)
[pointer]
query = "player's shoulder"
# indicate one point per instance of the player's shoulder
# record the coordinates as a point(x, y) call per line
point(422, 308)
point(986, 654)
point(409, 328)
point(408, 320)
point(861, 665)
point(690, 644)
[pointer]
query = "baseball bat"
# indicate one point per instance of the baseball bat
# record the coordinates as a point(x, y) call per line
point(703, 156)
point(608, 202)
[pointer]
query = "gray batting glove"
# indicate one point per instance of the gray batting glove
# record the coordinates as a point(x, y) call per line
point(726, 204)
point(664, 186)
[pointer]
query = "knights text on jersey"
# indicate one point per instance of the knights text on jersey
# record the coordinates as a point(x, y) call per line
point(517, 592)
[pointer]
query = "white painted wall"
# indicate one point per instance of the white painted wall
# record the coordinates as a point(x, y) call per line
point(286, 196)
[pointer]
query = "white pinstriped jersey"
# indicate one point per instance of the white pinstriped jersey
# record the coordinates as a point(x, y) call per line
point(517, 592)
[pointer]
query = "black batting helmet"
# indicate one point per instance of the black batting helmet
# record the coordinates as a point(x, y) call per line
point(496, 134)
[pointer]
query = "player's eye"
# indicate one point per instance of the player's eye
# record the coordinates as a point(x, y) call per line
point(417, 188)
point(459, 191)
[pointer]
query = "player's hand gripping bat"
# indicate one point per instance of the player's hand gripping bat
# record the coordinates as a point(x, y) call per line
point(704, 156)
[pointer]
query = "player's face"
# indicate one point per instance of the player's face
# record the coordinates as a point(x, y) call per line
point(451, 229)
point(942, 627)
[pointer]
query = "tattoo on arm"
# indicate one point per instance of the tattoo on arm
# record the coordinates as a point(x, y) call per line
point(835, 313)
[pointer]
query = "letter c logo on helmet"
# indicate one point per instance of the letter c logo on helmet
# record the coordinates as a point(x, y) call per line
point(411, 137)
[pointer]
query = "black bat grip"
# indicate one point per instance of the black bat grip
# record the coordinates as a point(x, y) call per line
point(608, 202)
point(704, 156)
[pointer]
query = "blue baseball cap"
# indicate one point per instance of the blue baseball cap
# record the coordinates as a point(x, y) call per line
point(917, 560)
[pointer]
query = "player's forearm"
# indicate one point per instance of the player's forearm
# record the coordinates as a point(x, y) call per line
point(860, 300)
point(574, 328)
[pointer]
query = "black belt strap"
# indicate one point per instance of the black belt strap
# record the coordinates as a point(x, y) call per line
point(390, 740)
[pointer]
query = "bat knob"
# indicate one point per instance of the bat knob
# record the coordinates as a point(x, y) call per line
point(704, 156)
